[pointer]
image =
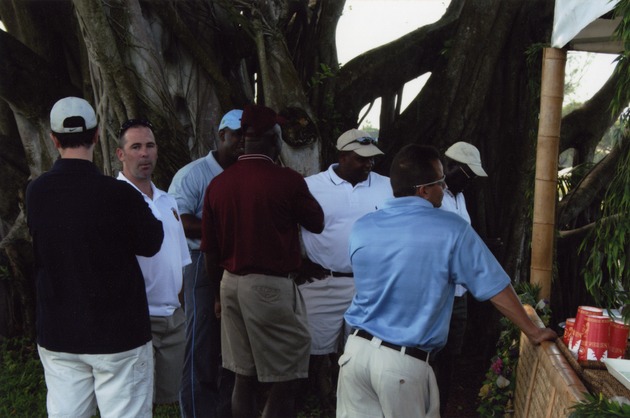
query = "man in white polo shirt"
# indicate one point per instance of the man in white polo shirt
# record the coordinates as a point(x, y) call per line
point(346, 191)
point(163, 272)
point(462, 166)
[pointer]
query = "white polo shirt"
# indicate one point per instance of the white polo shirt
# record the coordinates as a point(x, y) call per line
point(163, 272)
point(343, 204)
point(456, 204)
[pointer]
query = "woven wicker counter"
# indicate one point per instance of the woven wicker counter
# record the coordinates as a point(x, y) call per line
point(546, 384)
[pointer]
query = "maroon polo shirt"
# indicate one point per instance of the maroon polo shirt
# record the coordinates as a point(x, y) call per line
point(251, 217)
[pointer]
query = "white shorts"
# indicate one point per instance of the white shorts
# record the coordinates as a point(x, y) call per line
point(326, 301)
point(120, 383)
point(377, 381)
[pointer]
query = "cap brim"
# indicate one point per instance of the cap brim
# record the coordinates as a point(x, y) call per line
point(368, 150)
point(478, 170)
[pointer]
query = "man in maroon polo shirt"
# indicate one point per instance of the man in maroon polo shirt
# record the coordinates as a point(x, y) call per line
point(251, 216)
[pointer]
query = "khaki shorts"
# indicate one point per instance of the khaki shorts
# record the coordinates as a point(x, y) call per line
point(264, 329)
point(169, 343)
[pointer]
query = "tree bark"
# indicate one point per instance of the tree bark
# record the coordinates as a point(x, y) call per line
point(184, 64)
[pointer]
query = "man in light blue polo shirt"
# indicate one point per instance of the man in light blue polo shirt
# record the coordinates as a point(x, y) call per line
point(405, 282)
point(201, 393)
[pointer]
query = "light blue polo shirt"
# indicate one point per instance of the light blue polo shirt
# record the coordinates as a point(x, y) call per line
point(407, 258)
point(188, 187)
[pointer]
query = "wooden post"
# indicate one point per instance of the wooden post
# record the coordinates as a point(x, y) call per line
point(545, 188)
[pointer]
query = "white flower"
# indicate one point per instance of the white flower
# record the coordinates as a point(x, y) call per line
point(502, 382)
point(541, 304)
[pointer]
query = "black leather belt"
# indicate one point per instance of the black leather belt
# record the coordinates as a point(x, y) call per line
point(338, 274)
point(410, 351)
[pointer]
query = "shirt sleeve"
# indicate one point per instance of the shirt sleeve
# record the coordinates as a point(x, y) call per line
point(309, 213)
point(209, 240)
point(181, 237)
point(475, 267)
point(148, 232)
point(187, 192)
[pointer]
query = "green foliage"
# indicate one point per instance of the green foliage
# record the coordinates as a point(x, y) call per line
point(166, 411)
point(569, 181)
point(607, 273)
point(497, 392)
point(599, 407)
point(319, 77)
point(22, 386)
point(622, 9)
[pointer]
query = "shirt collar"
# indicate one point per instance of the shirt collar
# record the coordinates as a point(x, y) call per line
point(156, 192)
point(247, 157)
point(407, 201)
point(334, 177)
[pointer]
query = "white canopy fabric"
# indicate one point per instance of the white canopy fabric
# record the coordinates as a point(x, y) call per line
point(571, 16)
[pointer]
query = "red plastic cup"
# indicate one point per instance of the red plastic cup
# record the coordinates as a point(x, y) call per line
point(594, 345)
point(580, 324)
point(569, 325)
point(618, 339)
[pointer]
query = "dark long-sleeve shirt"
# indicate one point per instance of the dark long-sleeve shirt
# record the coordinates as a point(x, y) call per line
point(87, 229)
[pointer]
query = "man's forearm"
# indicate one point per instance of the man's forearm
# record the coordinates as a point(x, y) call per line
point(192, 225)
point(214, 271)
point(508, 303)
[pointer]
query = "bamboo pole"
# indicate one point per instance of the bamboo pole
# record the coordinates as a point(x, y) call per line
point(545, 188)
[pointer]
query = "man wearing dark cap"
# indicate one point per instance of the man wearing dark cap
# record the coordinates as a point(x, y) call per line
point(462, 166)
point(251, 217)
point(93, 329)
point(346, 191)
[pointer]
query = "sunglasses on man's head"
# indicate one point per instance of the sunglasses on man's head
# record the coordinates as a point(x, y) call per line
point(365, 140)
point(130, 123)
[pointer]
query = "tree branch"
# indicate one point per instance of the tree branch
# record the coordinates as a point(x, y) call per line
point(578, 234)
point(591, 185)
point(584, 127)
point(204, 56)
point(27, 82)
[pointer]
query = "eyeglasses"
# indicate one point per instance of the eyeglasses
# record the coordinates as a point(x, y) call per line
point(130, 123)
point(441, 182)
point(365, 140)
point(468, 176)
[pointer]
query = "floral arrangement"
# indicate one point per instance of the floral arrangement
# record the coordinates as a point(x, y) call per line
point(497, 392)
point(596, 406)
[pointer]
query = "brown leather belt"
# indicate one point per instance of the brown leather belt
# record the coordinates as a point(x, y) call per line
point(410, 351)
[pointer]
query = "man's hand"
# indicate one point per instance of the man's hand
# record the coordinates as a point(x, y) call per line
point(217, 308)
point(542, 334)
point(508, 303)
point(309, 271)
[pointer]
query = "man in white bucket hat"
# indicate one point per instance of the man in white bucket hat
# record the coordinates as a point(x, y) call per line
point(462, 166)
